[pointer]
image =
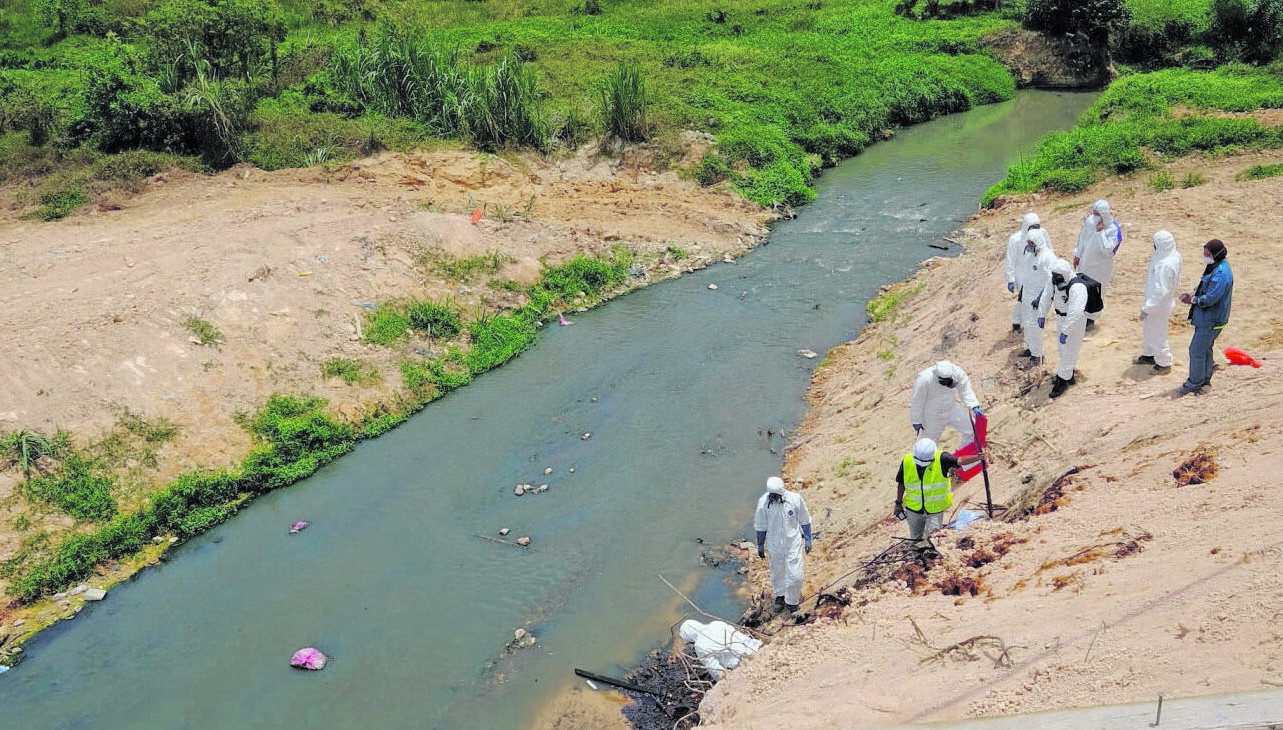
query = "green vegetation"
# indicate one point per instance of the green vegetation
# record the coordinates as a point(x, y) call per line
point(25, 448)
point(1260, 172)
point(1162, 180)
point(884, 306)
point(80, 487)
point(1193, 179)
point(353, 372)
point(786, 87)
point(205, 333)
point(1133, 123)
point(464, 269)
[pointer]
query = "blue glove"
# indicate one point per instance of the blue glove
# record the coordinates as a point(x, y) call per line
point(761, 542)
point(979, 413)
point(1011, 286)
point(1063, 338)
point(1042, 321)
point(917, 428)
point(1036, 301)
point(806, 532)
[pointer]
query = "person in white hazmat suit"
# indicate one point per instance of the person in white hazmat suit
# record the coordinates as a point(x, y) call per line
point(1070, 302)
point(1015, 248)
point(935, 402)
point(1161, 283)
point(718, 645)
point(1098, 243)
point(782, 521)
point(1033, 280)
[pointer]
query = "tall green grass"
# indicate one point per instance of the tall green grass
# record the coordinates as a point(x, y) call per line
point(399, 73)
point(621, 101)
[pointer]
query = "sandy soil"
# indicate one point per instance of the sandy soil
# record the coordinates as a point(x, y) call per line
point(1127, 584)
point(93, 307)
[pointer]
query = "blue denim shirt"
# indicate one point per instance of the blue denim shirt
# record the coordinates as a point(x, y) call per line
point(1211, 307)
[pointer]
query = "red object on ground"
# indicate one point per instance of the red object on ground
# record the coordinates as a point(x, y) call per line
point(476, 216)
point(982, 429)
point(1238, 357)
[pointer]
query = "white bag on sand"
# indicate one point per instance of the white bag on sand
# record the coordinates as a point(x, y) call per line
point(718, 645)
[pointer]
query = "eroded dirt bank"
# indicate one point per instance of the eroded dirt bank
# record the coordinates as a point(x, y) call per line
point(283, 264)
point(1127, 583)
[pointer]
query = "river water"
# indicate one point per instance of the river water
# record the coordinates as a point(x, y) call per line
point(672, 405)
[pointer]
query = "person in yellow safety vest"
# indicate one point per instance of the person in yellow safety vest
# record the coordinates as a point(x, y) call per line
point(923, 491)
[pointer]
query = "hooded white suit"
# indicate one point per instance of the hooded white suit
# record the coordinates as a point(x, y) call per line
point(935, 406)
point(1160, 291)
point(1033, 281)
point(1096, 249)
point(1071, 319)
point(782, 522)
point(1016, 249)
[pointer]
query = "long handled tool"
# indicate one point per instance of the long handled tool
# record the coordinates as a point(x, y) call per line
point(984, 466)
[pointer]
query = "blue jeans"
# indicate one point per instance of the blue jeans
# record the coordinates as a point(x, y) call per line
point(1200, 357)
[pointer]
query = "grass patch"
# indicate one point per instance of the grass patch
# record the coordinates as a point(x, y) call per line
point(1193, 179)
point(883, 308)
point(439, 321)
point(79, 487)
point(353, 372)
point(205, 333)
point(1260, 172)
point(386, 325)
point(464, 269)
point(1162, 181)
point(57, 204)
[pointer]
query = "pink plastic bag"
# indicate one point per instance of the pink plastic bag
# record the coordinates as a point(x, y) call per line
point(309, 658)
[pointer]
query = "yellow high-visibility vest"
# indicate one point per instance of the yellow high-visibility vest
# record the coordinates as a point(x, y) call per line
point(932, 488)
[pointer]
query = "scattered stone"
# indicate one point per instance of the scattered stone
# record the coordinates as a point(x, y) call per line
point(547, 471)
point(95, 594)
point(59, 596)
point(594, 399)
point(157, 540)
point(541, 488)
point(520, 490)
point(586, 436)
point(809, 355)
point(523, 541)
point(79, 589)
point(64, 603)
point(713, 287)
point(19, 623)
point(504, 531)
point(572, 470)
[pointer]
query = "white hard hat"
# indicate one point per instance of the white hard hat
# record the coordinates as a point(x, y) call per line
point(924, 451)
point(775, 484)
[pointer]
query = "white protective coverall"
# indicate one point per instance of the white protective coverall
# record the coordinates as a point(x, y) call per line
point(1071, 319)
point(1016, 249)
point(935, 406)
point(1160, 291)
point(1033, 281)
point(718, 645)
point(1094, 254)
point(782, 522)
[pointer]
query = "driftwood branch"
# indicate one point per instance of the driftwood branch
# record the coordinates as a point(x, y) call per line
point(503, 542)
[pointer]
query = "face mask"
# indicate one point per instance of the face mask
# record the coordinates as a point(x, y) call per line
point(946, 382)
point(1030, 247)
point(1058, 280)
point(1208, 260)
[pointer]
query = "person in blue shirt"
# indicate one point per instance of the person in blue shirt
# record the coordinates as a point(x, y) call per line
point(1209, 311)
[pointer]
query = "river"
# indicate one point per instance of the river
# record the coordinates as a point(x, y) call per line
point(672, 405)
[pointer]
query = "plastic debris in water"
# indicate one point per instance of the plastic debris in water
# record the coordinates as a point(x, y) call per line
point(299, 526)
point(309, 658)
point(561, 320)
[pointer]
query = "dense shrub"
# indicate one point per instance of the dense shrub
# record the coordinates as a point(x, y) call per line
point(496, 340)
point(439, 321)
